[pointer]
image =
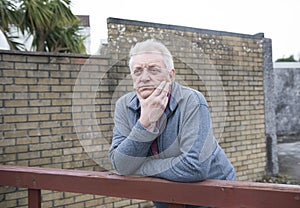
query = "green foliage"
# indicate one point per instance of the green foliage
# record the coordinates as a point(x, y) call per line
point(289, 59)
point(9, 15)
point(51, 24)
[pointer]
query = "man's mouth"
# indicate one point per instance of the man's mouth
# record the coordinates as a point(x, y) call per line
point(145, 87)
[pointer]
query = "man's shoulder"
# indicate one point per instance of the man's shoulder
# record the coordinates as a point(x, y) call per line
point(188, 93)
point(126, 98)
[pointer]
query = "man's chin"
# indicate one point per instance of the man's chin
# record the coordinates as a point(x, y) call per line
point(146, 93)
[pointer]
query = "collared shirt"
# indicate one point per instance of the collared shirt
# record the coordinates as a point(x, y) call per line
point(186, 145)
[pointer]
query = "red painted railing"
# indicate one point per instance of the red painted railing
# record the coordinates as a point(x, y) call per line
point(214, 193)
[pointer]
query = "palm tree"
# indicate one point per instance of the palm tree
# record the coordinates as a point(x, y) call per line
point(66, 39)
point(51, 24)
point(64, 36)
point(9, 15)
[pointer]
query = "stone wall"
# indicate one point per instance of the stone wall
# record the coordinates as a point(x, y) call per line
point(287, 90)
point(57, 109)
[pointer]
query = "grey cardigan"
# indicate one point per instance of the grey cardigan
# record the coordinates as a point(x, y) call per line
point(187, 148)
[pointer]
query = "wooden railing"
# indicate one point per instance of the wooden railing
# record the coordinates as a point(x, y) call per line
point(214, 193)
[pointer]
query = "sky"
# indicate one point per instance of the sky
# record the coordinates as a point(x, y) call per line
point(277, 19)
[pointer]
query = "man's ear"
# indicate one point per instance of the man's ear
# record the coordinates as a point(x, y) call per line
point(172, 74)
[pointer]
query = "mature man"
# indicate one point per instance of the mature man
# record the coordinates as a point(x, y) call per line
point(163, 129)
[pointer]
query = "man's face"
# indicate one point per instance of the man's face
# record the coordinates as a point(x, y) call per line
point(148, 71)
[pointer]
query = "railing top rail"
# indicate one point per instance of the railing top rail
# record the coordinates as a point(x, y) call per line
point(209, 193)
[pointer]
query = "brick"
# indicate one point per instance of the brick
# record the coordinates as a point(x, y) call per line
point(8, 203)
point(25, 96)
point(36, 103)
point(48, 95)
point(50, 195)
point(39, 88)
point(27, 125)
point(28, 155)
point(8, 159)
point(37, 59)
point(61, 116)
point(6, 81)
point(40, 161)
point(27, 66)
point(67, 81)
point(54, 153)
point(37, 74)
point(48, 81)
point(81, 204)
point(60, 59)
point(61, 159)
point(61, 130)
point(122, 203)
point(39, 132)
point(61, 88)
point(63, 201)
point(61, 102)
point(7, 111)
point(68, 151)
point(47, 203)
point(7, 65)
point(27, 140)
point(16, 103)
point(15, 119)
point(48, 67)
point(26, 81)
point(59, 74)
point(94, 203)
point(39, 146)
point(84, 197)
point(27, 110)
point(17, 58)
point(70, 165)
point(39, 117)
point(49, 124)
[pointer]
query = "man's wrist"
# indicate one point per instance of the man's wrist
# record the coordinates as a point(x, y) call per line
point(148, 125)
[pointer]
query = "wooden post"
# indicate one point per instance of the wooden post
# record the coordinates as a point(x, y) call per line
point(34, 198)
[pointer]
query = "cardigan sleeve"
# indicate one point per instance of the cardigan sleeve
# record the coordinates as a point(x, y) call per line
point(130, 146)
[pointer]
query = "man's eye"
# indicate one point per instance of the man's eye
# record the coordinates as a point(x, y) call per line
point(153, 70)
point(137, 71)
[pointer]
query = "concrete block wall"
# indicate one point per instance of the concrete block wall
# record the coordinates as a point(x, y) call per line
point(287, 107)
point(57, 109)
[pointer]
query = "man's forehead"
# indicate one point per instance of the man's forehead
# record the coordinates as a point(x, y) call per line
point(148, 57)
point(147, 52)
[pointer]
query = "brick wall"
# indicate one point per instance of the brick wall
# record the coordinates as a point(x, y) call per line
point(57, 109)
point(227, 68)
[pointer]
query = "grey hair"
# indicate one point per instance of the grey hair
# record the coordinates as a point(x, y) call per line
point(151, 46)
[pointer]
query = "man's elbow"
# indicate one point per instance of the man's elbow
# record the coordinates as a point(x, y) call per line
point(123, 165)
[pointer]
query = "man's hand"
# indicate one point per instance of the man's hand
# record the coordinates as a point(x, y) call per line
point(154, 106)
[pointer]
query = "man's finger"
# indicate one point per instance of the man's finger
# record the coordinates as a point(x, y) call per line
point(160, 88)
point(165, 90)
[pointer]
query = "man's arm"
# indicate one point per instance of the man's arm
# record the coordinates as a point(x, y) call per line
point(130, 146)
point(197, 144)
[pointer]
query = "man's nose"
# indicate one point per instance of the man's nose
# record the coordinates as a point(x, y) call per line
point(145, 75)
